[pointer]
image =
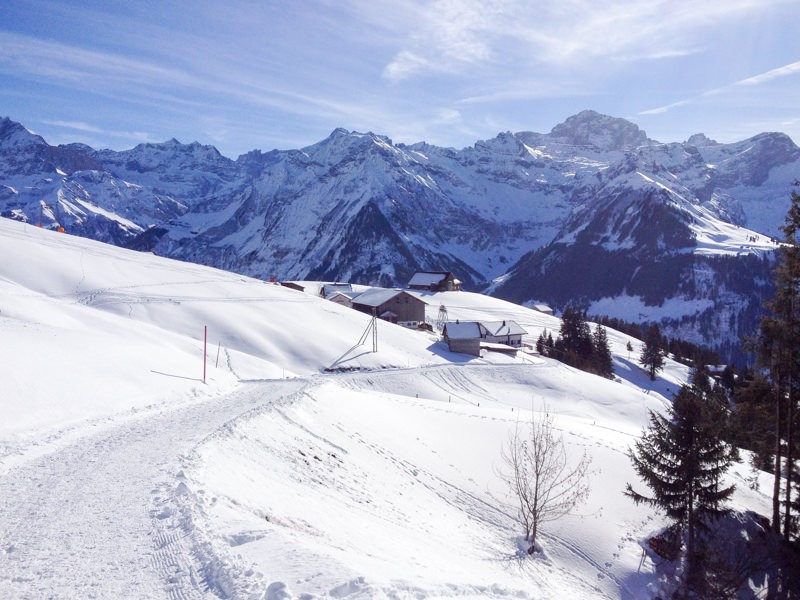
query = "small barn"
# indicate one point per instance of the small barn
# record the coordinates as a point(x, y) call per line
point(463, 337)
point(469, 337)
point(342, 298)
point(435, 281)
point(329, 289)
point(293, 285)
point(395, 306)
point(543, 308)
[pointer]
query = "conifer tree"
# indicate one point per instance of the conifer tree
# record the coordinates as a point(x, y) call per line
point(541, 343)
point(579, 347)
point(681, 457)
point(779, 350)
point(652, 358)
point(604, 364)
point(753, 421)
point(575, 339)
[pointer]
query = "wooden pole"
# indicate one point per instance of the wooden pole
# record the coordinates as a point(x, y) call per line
point(205, 344)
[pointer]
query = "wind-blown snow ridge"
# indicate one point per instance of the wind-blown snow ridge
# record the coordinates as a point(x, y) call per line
point(713, 236)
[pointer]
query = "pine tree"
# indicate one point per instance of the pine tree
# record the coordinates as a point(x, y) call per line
point(575, 339)
point(682, 459)
point(604, 365)
point(652, 357)
point(779, 350)
point(541, 343)
point(754, 419)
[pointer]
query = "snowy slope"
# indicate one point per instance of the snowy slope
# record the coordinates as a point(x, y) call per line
point(509, 215)
point(124, 475)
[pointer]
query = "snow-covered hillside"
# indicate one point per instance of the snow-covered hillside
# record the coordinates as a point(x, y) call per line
point(519, 210)
point(125, 475)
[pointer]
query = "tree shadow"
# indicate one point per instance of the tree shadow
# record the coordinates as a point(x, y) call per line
point(176, 376)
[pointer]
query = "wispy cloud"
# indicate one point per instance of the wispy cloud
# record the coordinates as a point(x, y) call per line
point(448, 71)
point(755, 80)
point(660, 110)
point(137, 136)
point(450, 36)
point(785, 71)
point(140, 81)
point(454, 36)
point(531, 89)
point(46, 59)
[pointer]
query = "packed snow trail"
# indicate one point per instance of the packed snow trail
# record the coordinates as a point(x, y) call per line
point(97, 517)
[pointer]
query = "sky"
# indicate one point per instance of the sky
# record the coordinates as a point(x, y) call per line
point(262, 74)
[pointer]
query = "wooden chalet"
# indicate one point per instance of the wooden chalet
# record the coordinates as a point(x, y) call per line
point(395, 306)
point(469, 337)
point(463, 337)
point(293, 285)
point(543, 308)
point(328, 289)
point(435, 281)
point(343, 298)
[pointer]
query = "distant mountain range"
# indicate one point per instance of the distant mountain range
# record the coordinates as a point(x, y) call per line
point(593, 213)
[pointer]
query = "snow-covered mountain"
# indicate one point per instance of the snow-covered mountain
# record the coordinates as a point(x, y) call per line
point(136, 461)
point(69, 186)
point(515, 214)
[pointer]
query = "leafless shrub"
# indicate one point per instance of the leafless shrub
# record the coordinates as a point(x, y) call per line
point(541, 483)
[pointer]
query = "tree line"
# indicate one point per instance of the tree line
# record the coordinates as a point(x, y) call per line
point(577, 345)
point(683, 455)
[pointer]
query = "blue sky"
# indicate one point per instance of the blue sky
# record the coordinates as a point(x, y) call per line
point(262, 74)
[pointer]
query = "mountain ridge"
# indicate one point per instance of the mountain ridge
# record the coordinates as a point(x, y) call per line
point(355, 206)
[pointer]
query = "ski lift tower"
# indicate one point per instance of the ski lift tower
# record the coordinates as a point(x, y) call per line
point(442, 318)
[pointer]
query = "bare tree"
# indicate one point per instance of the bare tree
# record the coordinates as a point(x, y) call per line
point(540, 481)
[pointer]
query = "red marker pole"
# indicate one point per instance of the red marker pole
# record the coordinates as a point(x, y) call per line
point(205, 342)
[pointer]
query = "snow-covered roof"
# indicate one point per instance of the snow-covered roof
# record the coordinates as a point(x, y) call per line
point(330, 295)
point(498, 328)
point(428, 278)
point(329, 288)
point(376, 296)
point(474, 329)
point(542, 308)
point(463, 331)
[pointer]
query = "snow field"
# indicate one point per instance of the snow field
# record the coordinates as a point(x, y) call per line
point(128, 477)
point(90, 330)
point(402, 493)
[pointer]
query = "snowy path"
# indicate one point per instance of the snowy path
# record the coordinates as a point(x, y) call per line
point(95, 518)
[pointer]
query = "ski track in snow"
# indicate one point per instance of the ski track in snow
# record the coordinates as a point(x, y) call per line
point(112, 507)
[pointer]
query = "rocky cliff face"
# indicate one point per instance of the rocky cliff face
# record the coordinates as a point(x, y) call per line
point(591, 212)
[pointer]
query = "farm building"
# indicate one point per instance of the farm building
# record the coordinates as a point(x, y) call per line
point(470, 336)
point(463, 337)
point(329, 289)
point(543, 308)
point(395, 306)
point(502, 332)
point(343, 298)
point(293, 285)
point(435, 281)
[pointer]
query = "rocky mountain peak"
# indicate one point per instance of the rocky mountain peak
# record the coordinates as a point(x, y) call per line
point(602, 132)
point(15, 134)
point(700, 140)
